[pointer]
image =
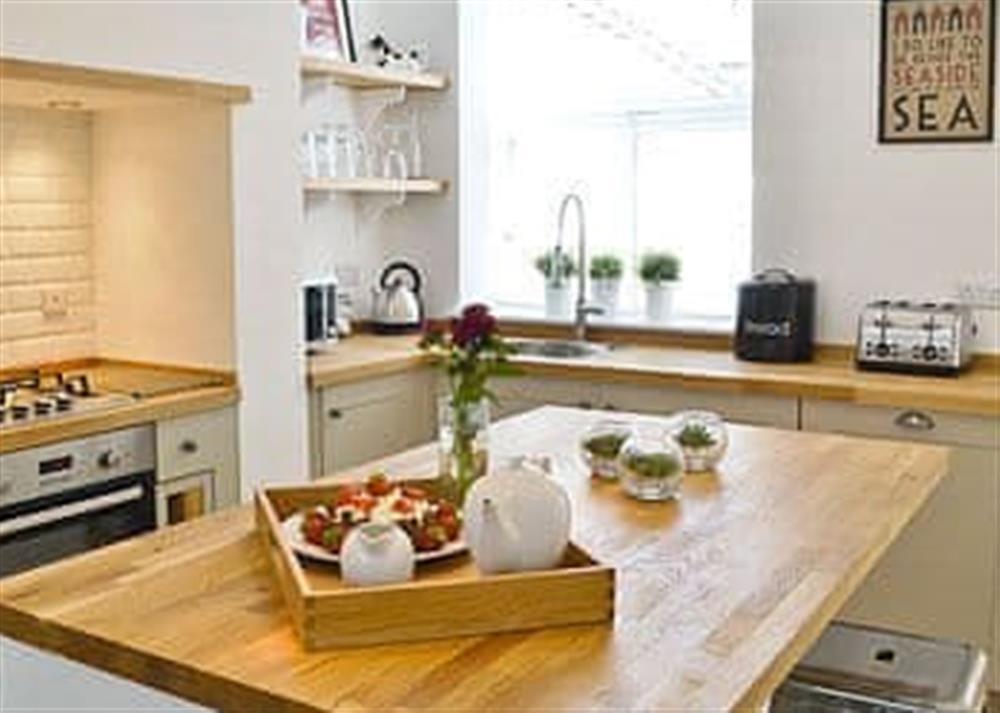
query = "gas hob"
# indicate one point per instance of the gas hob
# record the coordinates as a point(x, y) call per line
point(34, 398)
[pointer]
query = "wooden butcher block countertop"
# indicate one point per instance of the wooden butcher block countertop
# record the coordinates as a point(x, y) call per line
point(717, 595)
point(831, 376)
point(159, 392)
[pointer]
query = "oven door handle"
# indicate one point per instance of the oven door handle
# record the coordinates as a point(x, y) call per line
point(64, 512)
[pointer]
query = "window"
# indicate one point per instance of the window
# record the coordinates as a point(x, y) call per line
point(640, 106)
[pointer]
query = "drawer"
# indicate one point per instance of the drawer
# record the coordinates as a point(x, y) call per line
point(382, 388)
point(203, 441)
point(929, 426)
point(559, 392)
point(757, 409)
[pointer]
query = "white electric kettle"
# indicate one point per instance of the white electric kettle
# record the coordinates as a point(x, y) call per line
point(397, 307)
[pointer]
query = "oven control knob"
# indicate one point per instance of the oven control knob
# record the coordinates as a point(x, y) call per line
point(930, 352)
point(882, 350)
point(109, 459)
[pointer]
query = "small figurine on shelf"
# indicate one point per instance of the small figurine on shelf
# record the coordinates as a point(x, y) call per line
point(413, 59)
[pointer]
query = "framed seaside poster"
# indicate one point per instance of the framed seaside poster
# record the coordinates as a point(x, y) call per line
point(937, 70)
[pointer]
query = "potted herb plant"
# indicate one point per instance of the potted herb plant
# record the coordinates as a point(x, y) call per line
point(470, 352)
point(659, 272)
point(605, 281)
point(557, 268)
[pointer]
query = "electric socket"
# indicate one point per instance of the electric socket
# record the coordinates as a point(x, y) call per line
point(980, 295)
point(55, 302)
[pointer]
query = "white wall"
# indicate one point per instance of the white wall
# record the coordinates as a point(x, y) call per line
point(163, 227)
point(865, 220)
point(253, 43)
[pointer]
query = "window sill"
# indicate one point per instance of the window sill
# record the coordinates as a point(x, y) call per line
point(529, 319)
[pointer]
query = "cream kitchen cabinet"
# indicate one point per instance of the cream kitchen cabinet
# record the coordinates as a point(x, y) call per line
point(940, 578)
point(359, 422)
point(524, 393)
point(197, 467)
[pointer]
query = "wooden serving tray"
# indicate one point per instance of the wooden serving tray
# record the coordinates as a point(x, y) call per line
point(447, 598)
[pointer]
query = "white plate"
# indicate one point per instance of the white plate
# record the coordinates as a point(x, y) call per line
point(292, 527)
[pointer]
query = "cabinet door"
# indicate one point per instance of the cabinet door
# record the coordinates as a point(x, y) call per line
point(364, 421)
point(939, 577)
point(757, 409)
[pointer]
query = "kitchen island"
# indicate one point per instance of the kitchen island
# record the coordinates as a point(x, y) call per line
point(717, 595)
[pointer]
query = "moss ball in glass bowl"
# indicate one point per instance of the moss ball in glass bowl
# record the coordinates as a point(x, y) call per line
point(651, 466)
point(702, 438)
point(601, 444)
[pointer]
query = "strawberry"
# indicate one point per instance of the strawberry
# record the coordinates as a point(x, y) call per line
point(345, 494)
point(450, 525)
point(378, 485)
point(312, 528)
point(333, 537)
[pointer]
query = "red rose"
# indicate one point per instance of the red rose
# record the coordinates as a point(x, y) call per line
point(475, 325)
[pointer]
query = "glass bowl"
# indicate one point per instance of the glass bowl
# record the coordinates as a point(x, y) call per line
point(702, 438)
point(650, 466)
point(600, 445)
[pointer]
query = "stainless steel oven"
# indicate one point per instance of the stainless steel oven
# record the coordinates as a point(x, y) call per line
point(61, 499)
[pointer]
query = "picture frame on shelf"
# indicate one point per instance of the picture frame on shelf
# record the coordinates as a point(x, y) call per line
point(936, 74)
point(326, 30)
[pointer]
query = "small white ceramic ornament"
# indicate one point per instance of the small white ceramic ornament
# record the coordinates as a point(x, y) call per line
point(515, 519)
point(376, 553)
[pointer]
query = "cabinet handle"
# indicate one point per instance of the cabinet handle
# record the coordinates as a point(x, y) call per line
point(584, 404)
point(189, 446)
point(609, 407)
point(915, 421)
point(335, 413)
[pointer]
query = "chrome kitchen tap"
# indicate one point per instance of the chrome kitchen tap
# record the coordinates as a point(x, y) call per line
point(582, 308)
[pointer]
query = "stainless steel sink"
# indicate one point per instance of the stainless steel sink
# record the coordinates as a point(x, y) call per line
point(557, 348)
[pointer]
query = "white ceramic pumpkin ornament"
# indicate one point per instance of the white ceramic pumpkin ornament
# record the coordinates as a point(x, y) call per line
point(517, 518)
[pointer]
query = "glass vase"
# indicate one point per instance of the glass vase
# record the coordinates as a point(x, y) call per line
point(463, 445)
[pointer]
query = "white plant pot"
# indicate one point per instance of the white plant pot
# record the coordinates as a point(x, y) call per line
point(558, 301)
point(659, 301)
point(604, 294)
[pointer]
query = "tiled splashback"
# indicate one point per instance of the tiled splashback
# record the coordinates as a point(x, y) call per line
point(46, 264)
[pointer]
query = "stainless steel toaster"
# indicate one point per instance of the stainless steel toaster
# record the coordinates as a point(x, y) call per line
point(915, 337)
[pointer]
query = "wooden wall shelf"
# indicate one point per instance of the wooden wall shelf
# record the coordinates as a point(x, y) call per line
point(31, 83)
point(375, 185)
point(360, 76)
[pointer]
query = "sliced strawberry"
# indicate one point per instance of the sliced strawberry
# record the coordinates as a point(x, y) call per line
point(403, 506)
point(414, 493)
point(364, 502)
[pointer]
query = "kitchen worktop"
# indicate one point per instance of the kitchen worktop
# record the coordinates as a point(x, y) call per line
point(831, 376)
point(717, 595)
point(160, 391)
